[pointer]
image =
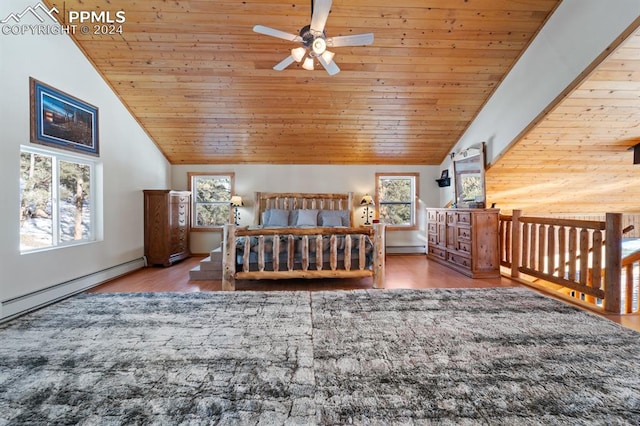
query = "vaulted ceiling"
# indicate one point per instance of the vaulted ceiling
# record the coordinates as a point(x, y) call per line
point(201, 82)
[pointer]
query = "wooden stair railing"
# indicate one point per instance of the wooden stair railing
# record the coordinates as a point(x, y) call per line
point(590, 274)
point(624, 231)
point(628, 264)
point(534, 247)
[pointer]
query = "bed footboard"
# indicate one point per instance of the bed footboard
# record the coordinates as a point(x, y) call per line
point(303, 253)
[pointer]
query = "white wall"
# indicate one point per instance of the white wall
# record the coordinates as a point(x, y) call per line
point(129, 162)
point(312, 178)
point(573, 37)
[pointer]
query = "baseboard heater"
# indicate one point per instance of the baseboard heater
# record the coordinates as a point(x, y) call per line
point(420, 249)
point(12, 308)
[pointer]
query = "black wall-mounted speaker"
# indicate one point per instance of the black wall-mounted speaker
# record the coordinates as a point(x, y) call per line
point(442, 182)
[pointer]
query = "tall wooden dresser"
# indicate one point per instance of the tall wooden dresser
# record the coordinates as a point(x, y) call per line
point(465, 240)
point(167, 218)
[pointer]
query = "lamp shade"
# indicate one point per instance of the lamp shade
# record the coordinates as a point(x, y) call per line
point(236, 201)
point(367, 200)
point(308, 64)
point(298, 53)
point(328, 56)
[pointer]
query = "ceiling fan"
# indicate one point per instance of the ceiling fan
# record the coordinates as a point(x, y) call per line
point(314, 41)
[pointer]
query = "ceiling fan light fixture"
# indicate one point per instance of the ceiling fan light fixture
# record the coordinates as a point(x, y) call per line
point(308, 64)
point(314, 41)
point(298, 53)
point(328, 56)
point(319, 46)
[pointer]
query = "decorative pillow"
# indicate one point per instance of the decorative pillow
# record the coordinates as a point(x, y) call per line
point(276, 217)
point(293, 217)
point(344, 215)
point(331, 221)
point(307, 218)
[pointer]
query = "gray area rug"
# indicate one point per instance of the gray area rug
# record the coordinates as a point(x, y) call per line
point(376, 357)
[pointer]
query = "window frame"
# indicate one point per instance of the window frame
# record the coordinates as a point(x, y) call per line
point(415, 180)
point(194, 203)
point(56, 158)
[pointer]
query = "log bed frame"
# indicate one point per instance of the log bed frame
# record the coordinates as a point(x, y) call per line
point(331, 269)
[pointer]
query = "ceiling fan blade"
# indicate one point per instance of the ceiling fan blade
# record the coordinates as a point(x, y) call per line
point(320, 14)
point(284, 63)
point(350, 40)
point(330, 66)
point(276, 33)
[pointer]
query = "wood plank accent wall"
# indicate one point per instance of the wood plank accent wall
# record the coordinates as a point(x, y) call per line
point(577, 159)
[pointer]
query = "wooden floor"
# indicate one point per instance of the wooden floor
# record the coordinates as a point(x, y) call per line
point(412, 271)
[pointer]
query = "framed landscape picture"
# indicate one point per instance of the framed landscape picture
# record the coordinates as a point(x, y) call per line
point(62, 121)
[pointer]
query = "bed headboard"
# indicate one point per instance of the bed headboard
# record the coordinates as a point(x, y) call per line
point(293, 201)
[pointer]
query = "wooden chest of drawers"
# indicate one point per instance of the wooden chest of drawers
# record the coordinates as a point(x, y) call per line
point(167, 218)
point(465, 240)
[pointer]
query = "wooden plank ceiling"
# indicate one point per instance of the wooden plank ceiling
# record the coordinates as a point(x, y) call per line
point(201, 83)
point(577, 159)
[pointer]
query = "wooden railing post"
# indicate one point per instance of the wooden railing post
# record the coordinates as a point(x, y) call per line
point(613, 262)
point(515, 243)
point(629, 264)
point(378, 255)
point(229, 257)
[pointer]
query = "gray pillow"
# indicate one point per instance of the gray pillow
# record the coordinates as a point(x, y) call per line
point(307, 218)
point(293, 217)
point(344, 215)
point(331, 221)
point(276, 217)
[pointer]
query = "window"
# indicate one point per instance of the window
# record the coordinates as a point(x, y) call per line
point(56, 200)
point(396, 196)
point(211, 194)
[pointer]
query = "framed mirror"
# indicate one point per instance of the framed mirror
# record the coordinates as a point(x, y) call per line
point(468, 169)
